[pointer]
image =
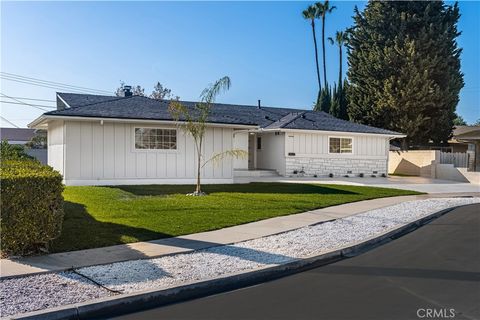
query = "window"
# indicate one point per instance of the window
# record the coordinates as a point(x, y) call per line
point(259, 143)
point(340, 145)
point(157, 139)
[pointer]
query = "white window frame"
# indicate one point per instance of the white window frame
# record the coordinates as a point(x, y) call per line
point(341, 137)
point(134, 149)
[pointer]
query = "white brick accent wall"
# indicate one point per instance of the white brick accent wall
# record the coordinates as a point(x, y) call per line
point(337, 166)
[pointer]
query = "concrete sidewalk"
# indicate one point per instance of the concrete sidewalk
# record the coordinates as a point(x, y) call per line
point(157, 248)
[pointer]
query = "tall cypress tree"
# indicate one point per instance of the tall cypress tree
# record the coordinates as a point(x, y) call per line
point(324, 100)
point(405, 68)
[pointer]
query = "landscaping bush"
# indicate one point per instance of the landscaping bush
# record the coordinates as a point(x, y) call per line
point(31, 206)
point(13, 152)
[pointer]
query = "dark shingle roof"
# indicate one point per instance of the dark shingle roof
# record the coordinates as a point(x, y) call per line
point(136, 107)
point(16, 134)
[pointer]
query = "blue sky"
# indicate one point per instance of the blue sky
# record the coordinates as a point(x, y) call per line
point(265, 47)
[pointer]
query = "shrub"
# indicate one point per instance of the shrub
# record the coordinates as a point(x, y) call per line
point(13, 152)
point(31, 206)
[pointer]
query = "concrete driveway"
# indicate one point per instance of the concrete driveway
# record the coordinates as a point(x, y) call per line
point(408, 183)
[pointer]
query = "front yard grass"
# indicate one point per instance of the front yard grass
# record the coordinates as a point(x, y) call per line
point(104, 216)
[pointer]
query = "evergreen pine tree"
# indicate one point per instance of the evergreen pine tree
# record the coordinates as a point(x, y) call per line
point(405, 68)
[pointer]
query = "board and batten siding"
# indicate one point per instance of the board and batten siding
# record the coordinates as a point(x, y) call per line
point(314, 144)
point(240, 142)
point(308, 152)
point(97, 153)
point(56, 146)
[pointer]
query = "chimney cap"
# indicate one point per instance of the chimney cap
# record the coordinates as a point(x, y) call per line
point(127, 91)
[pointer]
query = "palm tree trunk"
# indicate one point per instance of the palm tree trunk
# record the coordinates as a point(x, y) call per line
point(199, 159)
point(340, 72)
point(316, 55)
point(323, 47)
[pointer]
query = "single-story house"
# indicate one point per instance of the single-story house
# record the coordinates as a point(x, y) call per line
point(110, 140)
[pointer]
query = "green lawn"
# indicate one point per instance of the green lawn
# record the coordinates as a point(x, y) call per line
point(103, 216)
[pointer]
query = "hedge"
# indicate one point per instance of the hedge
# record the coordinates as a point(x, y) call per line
point(31, 205)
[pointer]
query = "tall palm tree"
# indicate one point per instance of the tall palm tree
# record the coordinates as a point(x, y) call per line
point(340, 40)
point(322, 10)
point(311, 14)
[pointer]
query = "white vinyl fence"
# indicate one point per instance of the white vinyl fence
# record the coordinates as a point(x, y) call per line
point(458, 159)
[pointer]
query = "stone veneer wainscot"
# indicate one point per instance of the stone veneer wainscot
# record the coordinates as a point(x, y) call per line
point(337, 166)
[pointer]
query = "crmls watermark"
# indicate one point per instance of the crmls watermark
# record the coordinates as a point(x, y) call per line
point(433, 313)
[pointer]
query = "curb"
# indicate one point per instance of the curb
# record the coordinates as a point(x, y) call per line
point(116, 305)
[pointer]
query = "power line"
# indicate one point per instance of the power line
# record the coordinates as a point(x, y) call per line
point(48, 86)
point(45, 86)
point(7, 74)
point(6, 120)
point(22, 103)
point(35, 99)
point(25, 103)
point(12, 76)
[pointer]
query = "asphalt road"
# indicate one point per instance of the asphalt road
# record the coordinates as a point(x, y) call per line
point(431, 273)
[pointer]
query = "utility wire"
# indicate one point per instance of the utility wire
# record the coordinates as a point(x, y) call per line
point(34, 99)
point(49, 86)
point(12, 76)
point(22, 103)
point(25, 103)
point(49, 82)
point(6, 120)
point(44, 86)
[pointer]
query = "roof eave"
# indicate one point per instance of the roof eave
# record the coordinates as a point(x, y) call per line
point(45, 117)
point(391, 135)
point(38, 123)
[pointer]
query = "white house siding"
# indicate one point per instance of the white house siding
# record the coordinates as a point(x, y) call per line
point(104, 154)
point(272, 152)
point(370, 154)
point(240, 141)
point(56, 145)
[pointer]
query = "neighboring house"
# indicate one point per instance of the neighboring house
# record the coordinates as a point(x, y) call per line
point(21, 136)
point(469, 138)
point(107, 140)
point(465, 140)
point(17, 135)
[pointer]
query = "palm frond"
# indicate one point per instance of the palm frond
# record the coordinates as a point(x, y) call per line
point(234, 153)
point(310, 12)
point(210, 93)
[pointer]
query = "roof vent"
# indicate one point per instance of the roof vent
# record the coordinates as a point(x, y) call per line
point(259, 103)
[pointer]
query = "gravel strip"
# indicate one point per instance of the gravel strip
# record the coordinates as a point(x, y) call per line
point(25, 294)
point(136, 275)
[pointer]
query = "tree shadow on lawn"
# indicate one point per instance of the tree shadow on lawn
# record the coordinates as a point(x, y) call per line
point(81, 231)
point(255, 187)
